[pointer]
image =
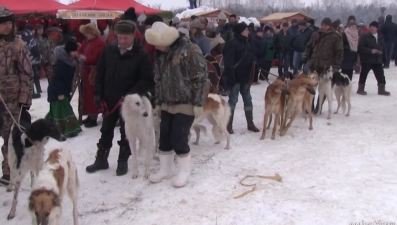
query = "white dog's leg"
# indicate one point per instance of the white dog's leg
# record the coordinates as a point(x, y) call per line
point(337, 95)
point(11, 215)
point(347, 98)
point(135, 172)
point(72, 191)
point(329, 98)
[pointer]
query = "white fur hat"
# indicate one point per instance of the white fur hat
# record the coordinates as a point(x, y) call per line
point(160, 34)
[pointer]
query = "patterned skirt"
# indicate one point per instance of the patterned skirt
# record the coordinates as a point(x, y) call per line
point(61, 113)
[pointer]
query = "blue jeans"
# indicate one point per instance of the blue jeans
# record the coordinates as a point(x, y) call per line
point(298, 63)
point(283, 58)
point(388, 52)
point(193, 5)
point(245, 93)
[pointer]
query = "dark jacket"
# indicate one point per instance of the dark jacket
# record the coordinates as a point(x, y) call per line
point(238, 56)
point(366, 44)
point(314, 28)
point(283, 42)
point(118, 75)
point(325, 49)
point(226, 32)
point(349, 57)
point(293, 30)
point(389, 30)
point(64, 69)
point(300, 41)
point(33, 47)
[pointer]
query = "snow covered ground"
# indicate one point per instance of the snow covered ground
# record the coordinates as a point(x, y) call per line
point(342, 171)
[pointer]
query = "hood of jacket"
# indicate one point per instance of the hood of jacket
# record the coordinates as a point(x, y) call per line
point(62, 55)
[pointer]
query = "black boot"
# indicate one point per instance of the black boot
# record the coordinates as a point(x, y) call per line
point(122, 162)
point(86, 120)
point(101, 161)
point(91, 123)
point(37, 84)
point(4, 180)
point(230, 124)
point(36, 96)
point(382, 90)
point(250, 121)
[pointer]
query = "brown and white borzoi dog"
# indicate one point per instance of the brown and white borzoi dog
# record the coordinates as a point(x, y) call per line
point(274, 104)
point(217, 111)
point(58, 175)
point(137, 113)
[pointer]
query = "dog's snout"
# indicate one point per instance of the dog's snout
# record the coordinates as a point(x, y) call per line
point(145, 114)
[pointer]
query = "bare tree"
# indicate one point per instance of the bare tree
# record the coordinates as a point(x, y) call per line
point(156, 6)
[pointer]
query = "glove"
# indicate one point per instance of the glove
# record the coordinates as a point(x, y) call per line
point(157, 111)
point(97, 101)
point(61, 97)
point(197, 111)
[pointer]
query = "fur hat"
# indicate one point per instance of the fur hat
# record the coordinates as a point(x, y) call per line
point(239, 28)
point(327, 21)
point(89, 28)
point(161, 34)
point(374, 24)
point(176, 20)
point(195, 24)
point(184, 28)
point(6, 15)
point(129, 14)
point(222, 16)
point(71, 46)
point(125, 27)
point(150, 20)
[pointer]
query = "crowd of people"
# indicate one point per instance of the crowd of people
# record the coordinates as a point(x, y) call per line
point(169, 60)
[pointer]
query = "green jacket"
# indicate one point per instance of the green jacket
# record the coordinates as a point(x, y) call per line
point(269, 48)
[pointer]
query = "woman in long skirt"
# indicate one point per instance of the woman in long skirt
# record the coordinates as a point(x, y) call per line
point(60, 88)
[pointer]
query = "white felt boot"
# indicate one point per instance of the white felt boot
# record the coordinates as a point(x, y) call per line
point(165, 172)
point(183, 164)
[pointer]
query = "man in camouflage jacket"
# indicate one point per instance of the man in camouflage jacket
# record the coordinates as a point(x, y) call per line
point(181, 77)
point(34, 56)
point(15, 81)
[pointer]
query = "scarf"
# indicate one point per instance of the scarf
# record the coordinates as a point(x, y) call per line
point(62, 55)
point(352, 38)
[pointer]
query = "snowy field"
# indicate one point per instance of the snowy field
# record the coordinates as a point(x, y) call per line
point(341, 172)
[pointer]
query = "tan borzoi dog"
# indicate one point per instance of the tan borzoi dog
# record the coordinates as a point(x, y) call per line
point(137, 113)
point(58, 175)
point(217, 111)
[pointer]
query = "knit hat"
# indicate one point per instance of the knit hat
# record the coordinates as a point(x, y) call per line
point(239, 28)
point(267, 28)
point(125, 27)
point(195, 24)
point(270, 24)
point(326, 21)
point(374, 24)
point(6, 15)
point(129, 14)
point(29, 26)
point(259, 29)
point(351, 18)
point(71, 46)
point(336, 23)
point(161, 34)
point(285, 24)
point(309, 20)
point(222, 16)
point(150, 20)
point(176, 20)
point(184, 28)
point(90, 28)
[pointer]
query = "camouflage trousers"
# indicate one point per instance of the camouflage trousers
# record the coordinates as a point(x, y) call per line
point(6, 131)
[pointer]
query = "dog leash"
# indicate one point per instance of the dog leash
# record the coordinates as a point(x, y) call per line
point(105, 110)
point(22, 129)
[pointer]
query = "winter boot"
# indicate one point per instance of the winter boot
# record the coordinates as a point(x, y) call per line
point(4, 180)
point(382, 91)
point(122, 162)
point(36, 96)
point(101, 161)
point(165, 172)
point(183, 164)
point(86, 120)
point(360, 89)
point(250, 123)
point(37, 84)
point(91, 123)
point(230, 124)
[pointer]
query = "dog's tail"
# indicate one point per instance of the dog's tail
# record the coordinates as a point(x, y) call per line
point(343, 104)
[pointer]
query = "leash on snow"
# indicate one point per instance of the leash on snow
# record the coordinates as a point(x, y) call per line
point(17, 124)
point(276, 177)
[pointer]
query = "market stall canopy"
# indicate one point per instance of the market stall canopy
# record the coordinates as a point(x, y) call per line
point(32, 6)
point(209, 14)
point(116, 5)
point(284, 17)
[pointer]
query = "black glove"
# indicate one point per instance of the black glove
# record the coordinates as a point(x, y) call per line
point(97, 101)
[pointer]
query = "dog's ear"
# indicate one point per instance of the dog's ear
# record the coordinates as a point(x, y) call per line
point(311, 90)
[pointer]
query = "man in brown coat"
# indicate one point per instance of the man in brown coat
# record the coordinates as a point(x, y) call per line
point(324, 50)
point(16, 87)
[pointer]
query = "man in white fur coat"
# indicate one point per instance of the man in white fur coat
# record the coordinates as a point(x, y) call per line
point(181, 78)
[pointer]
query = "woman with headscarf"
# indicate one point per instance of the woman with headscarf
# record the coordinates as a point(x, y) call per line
point(61, 112)
point(350, 45)
point(89, 53)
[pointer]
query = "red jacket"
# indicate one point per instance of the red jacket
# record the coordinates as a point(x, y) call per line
point(112, 36)
point(92, 50)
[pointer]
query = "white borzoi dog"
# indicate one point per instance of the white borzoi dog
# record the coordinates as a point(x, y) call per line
point(342, 86)
point(325, 91)
point(59, 175)
point(26, 152)
point(217, 111)
point(137, 113)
